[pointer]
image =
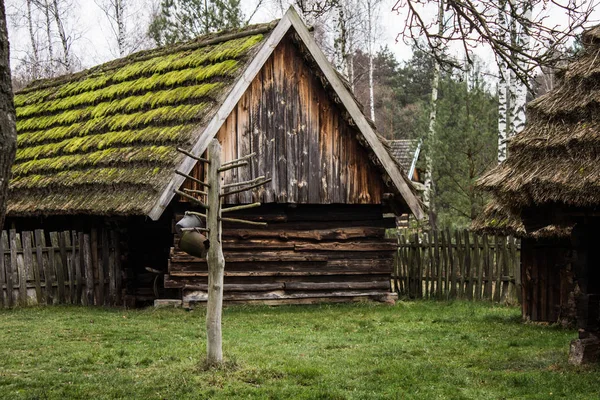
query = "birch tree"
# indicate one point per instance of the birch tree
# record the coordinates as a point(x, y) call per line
point(8, 132)
point(114, 10)
point(476, 22)
point(429, 185)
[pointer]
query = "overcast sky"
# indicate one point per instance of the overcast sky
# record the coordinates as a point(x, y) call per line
point(94, 42)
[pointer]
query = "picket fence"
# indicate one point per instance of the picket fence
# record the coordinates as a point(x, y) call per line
point(74, 268)
point(459, 264)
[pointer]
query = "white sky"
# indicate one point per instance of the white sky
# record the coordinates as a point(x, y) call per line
point(94, 43)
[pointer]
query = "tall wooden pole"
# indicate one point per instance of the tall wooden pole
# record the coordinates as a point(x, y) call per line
point(215, 259)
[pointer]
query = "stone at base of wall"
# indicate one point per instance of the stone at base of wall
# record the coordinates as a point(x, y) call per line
point(167, 303)
point(586, 349)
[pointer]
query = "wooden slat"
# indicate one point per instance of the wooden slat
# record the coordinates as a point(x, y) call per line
point(58, 240)
point(88, 267)
point(64, 266)
point(437, 265)
point(34, 267)
point(468, 265)
point(2, 269)
point(498, 268)
point(97, 268)
point(17, 265)
point(478, 262)
point(78, 261)
point(429, 266)
point(487, 291)
point(42, 267)
point(118, 278)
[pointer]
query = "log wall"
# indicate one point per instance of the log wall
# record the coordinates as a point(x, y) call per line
point(548, 284)
point(306, 254)
point(303, 141)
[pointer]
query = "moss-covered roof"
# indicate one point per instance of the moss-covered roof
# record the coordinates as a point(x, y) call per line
point(103, 141)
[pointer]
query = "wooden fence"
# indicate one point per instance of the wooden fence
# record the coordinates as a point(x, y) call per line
point(60, 268)
point(459, 264)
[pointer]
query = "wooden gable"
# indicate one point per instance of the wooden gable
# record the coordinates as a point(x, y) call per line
point(302, 140)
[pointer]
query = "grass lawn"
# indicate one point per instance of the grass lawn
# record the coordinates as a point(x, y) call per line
point(420, 350)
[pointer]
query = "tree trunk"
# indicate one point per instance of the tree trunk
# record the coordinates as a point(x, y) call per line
point(8, 132)
point(428, 195)
point(520, 100)
point(120, 19)
point(370, 50)
point(215, 260)
point(64, 39)
point(35, 61)
point(503, 84)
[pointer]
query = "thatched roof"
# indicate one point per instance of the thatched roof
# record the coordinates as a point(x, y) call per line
point(103, 141)
point(555, 160)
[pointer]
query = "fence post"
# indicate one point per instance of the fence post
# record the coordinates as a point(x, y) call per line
point(2, 273)
point(468, 265)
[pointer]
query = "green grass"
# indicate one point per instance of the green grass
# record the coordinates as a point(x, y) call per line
point(420, 350)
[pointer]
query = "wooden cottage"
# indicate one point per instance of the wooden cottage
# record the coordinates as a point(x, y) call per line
point(97, 149)
point(548, 191)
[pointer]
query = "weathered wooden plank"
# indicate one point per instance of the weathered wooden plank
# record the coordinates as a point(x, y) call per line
point(347, 246)
point(419, 269)
point(2, 269)
point(428, 241)
point(41, 268)
point(468, 265)
point(65, 266)
point(247, 287)
point(89, 271)
point(58, 240)
point(78, 261)
point(115, 238)
point(97, 268)
point(478, 259)
point(34, 267)
point(451, 277)
point(487, 263)
point(437, 266)
point(315, 272)
point(108, 261)
point(17, 265)
point(497, 267)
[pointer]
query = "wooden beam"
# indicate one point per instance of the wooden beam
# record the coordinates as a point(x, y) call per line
point(243, 221)
point(232, 166)
point(241, 207)
point(198, 181)
point(237, 160)
point(247, 188)
point(202, 192)
point(187, 153)
point(191, 198)
point(230, 185)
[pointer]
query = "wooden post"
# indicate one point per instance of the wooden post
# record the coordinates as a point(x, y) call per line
point(41, 267)
point(468, 266)
point(215, 259)
point(2, 275)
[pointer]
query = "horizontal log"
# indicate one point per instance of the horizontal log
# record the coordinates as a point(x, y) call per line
point(180, 282)
point(337, 285)
point(348, 246)
point(190, 296)
point(278, 273)
point(250, 287)
point(316, 234)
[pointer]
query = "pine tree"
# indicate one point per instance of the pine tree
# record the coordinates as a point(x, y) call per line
point(180, 20)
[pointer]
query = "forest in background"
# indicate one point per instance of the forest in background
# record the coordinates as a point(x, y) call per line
point(452, 107)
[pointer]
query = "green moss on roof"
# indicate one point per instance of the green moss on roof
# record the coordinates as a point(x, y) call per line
point(119, 124)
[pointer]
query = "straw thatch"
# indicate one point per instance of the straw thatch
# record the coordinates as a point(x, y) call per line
point(103, 141)
point(556, 159)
